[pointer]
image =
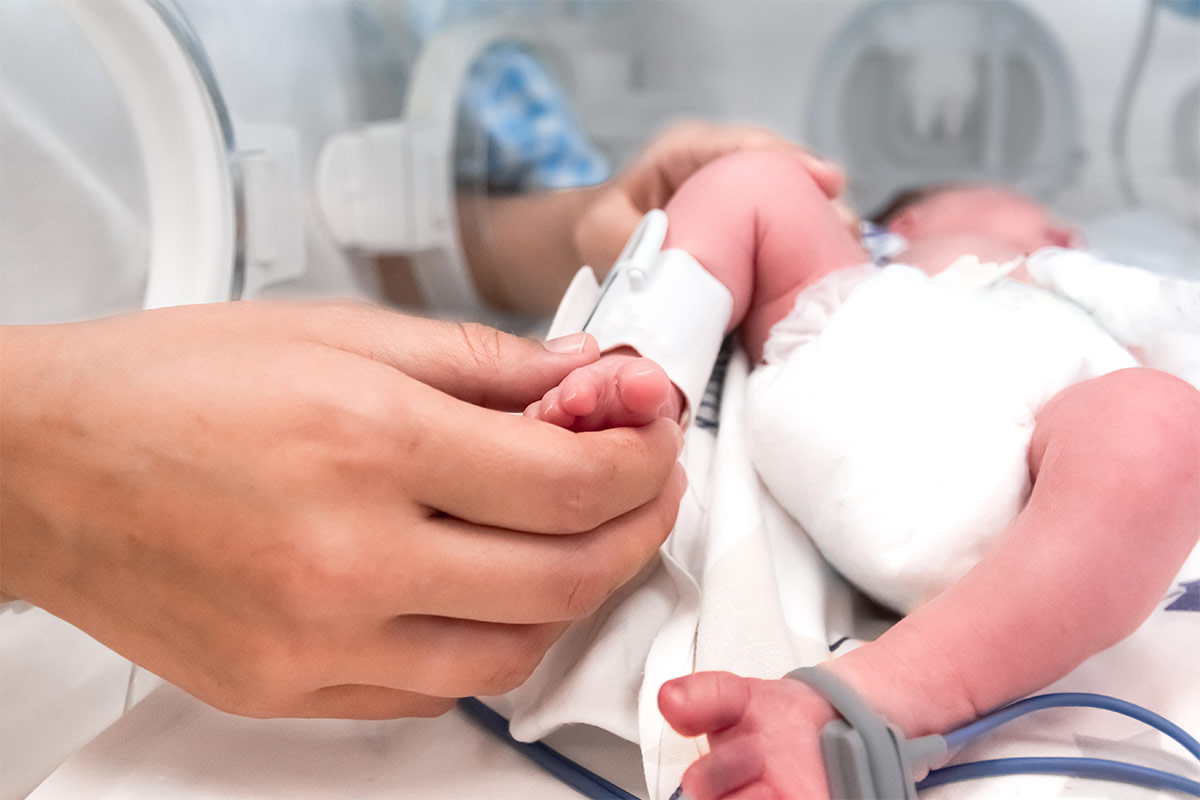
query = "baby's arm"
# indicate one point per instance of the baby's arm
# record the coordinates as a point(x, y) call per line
point(760, 223)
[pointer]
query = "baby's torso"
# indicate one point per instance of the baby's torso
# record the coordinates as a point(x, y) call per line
point(893, 415)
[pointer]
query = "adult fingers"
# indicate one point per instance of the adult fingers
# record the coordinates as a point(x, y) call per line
point(829, 176)
point(472, 362)
point(660, 169)
point(477, 573)
point(686, 147)
point(356, 701)
point(469, 591)
point(510, 471)
point(445, 657)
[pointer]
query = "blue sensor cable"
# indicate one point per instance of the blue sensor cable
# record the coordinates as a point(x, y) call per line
point(1097, 768)
point(575, 775)
point(592, 785)
point(957, 738)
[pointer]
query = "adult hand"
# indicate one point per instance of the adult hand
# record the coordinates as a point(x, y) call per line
point(294, 510)
point(670, 159)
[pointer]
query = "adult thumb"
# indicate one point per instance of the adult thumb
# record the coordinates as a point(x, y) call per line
point(475, 363)
point(487, 367)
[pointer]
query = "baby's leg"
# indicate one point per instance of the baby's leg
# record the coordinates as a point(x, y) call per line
point(762, 226)
point(1115, 509)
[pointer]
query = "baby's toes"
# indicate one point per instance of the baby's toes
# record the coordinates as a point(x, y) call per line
point(644, 389)
point(580, 391)
point(549, 409)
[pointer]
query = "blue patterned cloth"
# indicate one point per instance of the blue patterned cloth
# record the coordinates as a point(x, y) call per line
point(531, 135)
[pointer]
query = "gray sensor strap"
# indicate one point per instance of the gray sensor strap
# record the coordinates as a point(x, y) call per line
point(866, 758)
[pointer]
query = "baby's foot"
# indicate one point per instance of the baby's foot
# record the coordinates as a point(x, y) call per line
point(763, 736)
point(617, 391)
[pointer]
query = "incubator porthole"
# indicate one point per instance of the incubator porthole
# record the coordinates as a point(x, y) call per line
point(1186, 145)
point(912, 92)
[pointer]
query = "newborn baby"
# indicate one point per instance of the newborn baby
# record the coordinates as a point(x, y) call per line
point(1011, 586)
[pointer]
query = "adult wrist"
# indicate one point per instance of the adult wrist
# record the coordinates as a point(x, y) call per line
point(26, 364)
point(602, 224)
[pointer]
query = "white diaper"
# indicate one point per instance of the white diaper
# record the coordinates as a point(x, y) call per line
point(893, 416)
point(1155, 316)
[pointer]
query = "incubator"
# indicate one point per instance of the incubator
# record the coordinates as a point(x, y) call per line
point(157, 153)
point(236, 151)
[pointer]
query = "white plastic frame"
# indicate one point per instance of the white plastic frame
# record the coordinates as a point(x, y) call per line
point(186, 139)
point(390, 187)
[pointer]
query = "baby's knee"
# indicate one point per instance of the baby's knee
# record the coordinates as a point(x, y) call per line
point(1157, 416)
point(1147, 418)
point(754, 170)
point(1166, 409)
point(723, 207)
point(1173, 406)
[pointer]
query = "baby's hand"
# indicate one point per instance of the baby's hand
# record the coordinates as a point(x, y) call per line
point(622, 389)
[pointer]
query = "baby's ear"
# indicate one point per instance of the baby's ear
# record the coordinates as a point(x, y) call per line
point(1065, 236)
point(903, 222)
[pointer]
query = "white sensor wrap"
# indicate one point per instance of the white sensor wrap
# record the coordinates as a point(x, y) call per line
point(661, 303)
point(672, 311)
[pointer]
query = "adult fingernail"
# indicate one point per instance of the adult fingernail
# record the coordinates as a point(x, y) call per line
point(571, 344)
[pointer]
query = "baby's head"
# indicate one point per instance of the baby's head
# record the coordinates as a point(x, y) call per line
point(976, 210)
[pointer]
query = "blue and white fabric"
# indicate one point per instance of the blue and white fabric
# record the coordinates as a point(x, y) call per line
point(533, 138)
